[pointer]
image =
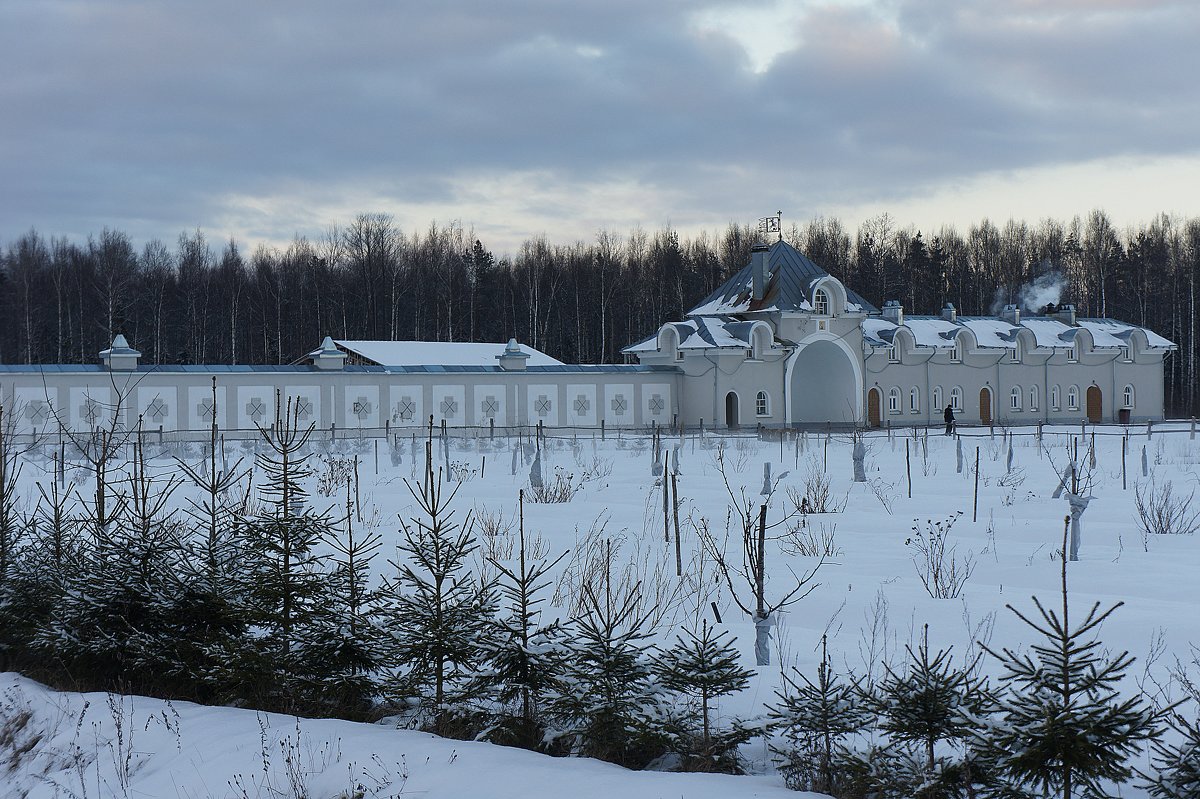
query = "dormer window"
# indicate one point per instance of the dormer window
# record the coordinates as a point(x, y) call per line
point(893, 354)
point(956, 352)
point(679, 355)
point(1072, 354)
point(820, 303)
point(1015, 355)
point(1125, 355)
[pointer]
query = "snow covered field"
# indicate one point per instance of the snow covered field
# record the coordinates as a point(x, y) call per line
point(869, 599)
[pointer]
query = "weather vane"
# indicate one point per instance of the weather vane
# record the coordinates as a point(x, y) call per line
point(771, 224)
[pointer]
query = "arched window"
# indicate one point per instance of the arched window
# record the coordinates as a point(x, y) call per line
point(762, 404)
point(893, 400)
point(937, 398)
point(1033, 398)
point(1014, 398)
point(1054, 396)
point(914, 400)
point(1073, 398)
point(821, 302)
point(956, 352)
point(956, 398)
point(1127, 397)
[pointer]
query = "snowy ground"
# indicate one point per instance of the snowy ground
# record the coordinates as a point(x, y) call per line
point(870, 601)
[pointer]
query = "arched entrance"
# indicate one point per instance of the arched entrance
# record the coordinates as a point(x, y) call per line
point(731, 410)
point(1095, 405)
point(985, 406)
point(825, 385)
point(874, 413)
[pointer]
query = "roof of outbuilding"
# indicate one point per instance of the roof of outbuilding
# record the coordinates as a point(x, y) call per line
point(437, 353)
point(789, 287)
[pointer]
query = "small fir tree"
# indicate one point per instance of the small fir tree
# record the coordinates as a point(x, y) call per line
point(814, 719)
point(1064, 728)
point(526, 656)
point(704, 667)
point(440, 617)
point(606, 704)
point(1176, 765)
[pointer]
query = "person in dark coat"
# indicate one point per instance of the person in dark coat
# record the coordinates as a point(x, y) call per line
point(949, 416)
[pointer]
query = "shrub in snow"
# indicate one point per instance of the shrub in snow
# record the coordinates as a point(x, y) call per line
point(1176, 766)
point(1163, 512)
point(439, 615)
point(814, 721)
point(703, 668)
point(942, 572)
point(1063, 728)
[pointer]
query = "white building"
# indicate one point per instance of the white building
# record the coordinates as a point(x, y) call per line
point(782, 343)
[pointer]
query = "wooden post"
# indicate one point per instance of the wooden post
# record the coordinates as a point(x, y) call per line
point(666, 501)
point(908, 467)
point(483, 468)
point(826, 454)
point(1124, 447)
point(601, 429)
point(491, 427)
point(376, 457)
point(760, 571)
point(975, 512)
point(675, 506)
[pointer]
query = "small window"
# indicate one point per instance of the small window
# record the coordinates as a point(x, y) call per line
point(1073, 398)
point(1054, 397)
point(820, 302)
point(1033, 398)
point(1014, 398)
point(1125, 355)
point(894, 400)
point(914, 400)
point(956, 352)
point(750, 354)
point(1015, 355)
point(937, 397)
point(956, 398)
point(1127, 397)
point(1072, 354)
point(679, 355)
point(762, 404)
point(893, 354)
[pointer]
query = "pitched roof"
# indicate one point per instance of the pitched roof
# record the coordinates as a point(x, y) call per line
point(437, 353)
point(789, 287)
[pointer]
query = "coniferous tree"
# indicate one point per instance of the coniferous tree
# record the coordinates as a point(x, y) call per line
point(526, 656)
point(440, 615)
point(1176, 765)
point(930, 702)
point(704, 667)
point(815, 719)
point(606, 704)
point(1063, 726)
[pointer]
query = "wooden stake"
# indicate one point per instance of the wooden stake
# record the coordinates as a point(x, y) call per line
point(908, 467)
point(675, 506)
point(975, 512)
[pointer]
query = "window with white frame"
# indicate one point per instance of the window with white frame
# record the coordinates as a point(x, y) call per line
point(1014, 398)
point(679, 355)
point(914, 400)
point(1054, 397)
point(1072, 353)
point(821, 302)
point(762, 404)
point(1033, 398)
point(1125, 355)
point(1073, 398)
point(956, 352)
point(1014, 355)
point(956, 398)
point(894, 400)
point(1127, 397)
point(894, 354)
point(937, 397)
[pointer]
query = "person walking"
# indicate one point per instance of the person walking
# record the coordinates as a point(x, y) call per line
point(949, 417)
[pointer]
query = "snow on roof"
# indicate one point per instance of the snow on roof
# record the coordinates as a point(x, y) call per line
point(990, 332)
point(438, 353)
point(1110, 333)
point(878, 332)
point(1049, 332)
point(701, 333)
point(932, 331)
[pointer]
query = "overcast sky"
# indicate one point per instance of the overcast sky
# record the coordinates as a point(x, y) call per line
point(264, 120)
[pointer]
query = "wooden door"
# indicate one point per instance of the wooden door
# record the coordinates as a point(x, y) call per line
point(874, 412)
point(1095, 405)
point(985, 406)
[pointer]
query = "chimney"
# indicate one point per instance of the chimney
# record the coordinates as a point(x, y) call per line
point(1066, 315)
point(512, 359)
point(328, 357)
point(758, 269)
point(1011, 314)
point(949, 314)
point(893, 311)
point(120, 357)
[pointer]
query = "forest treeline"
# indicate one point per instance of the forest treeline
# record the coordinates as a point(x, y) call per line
point(198, 301)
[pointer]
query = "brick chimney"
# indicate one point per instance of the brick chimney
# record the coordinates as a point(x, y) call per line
point(949, 314)
point(758, 270)
point(1011, 314)
point(893, 311)
point(1066, 315)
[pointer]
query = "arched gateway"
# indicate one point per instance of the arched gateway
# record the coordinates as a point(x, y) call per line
point(826, 385)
